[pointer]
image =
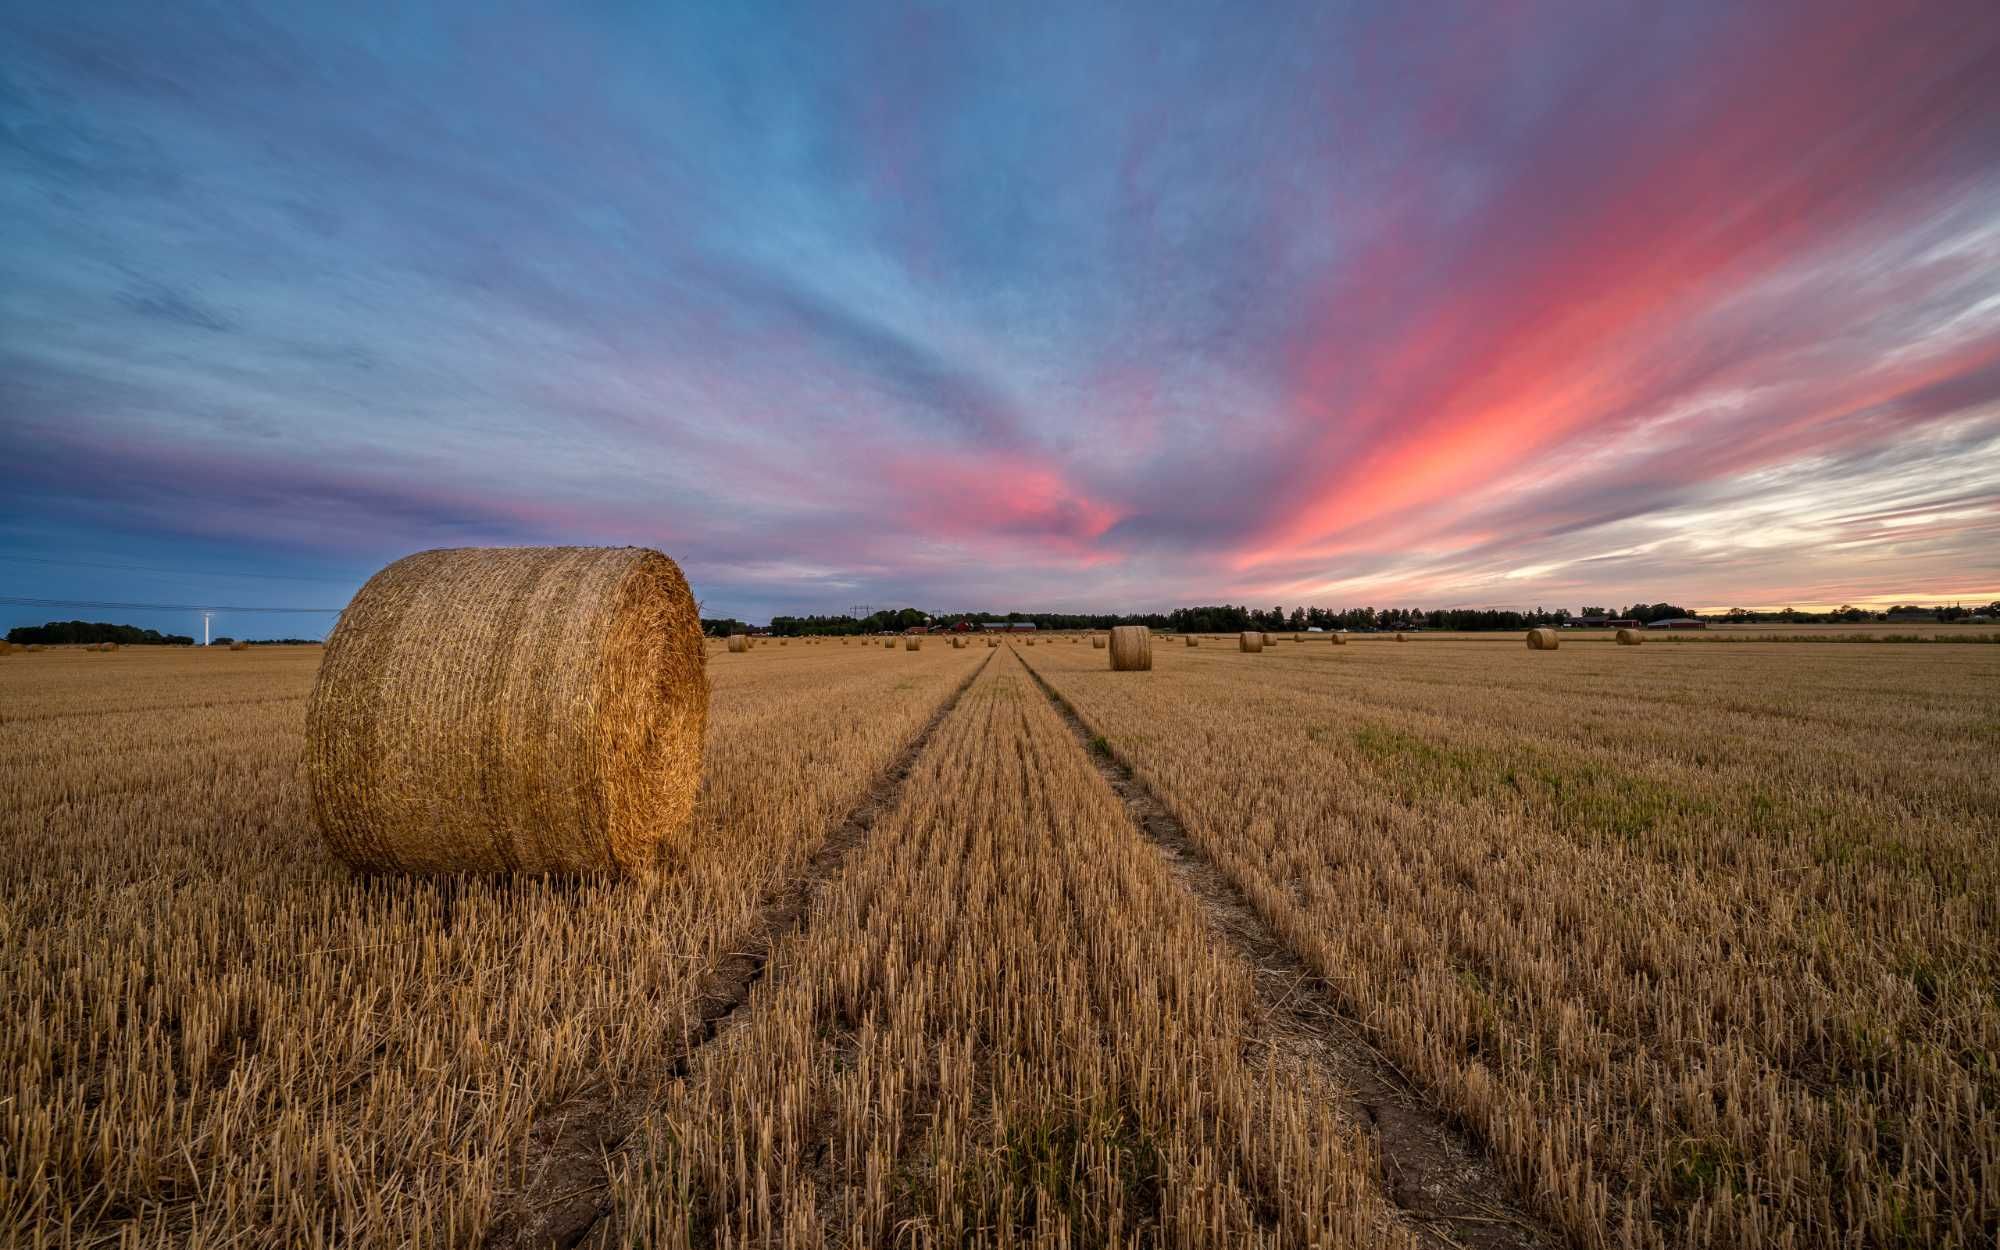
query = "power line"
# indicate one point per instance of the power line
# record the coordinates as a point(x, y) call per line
point(152, 568)
point(15, 601)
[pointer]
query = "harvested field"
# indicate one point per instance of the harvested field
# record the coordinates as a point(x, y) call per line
point(1442, 944)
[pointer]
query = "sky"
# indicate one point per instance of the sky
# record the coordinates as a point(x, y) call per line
point(1077, 307)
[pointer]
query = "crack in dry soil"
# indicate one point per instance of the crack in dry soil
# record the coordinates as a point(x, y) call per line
point(1448, 1192)
point(569, 1149)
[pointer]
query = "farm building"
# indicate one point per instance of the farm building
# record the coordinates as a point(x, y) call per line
point(1678, 622)
point(1008, 627)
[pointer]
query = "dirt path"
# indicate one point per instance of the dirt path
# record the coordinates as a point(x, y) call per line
point(569, 1148)
point(1450, 1194)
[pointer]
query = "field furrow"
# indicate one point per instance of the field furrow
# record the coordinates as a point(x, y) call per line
point(1009, 1024)
point(217, 1035)
point(1679, 1005)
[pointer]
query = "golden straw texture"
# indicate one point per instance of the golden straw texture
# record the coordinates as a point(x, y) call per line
point(1630, 637)
point(739, 642)
point(511, 709)
point(913, 643)
point(1131, 649)
point(1097, 642)
point(1542, 640)
point(1338, 640)
point(1250, 640)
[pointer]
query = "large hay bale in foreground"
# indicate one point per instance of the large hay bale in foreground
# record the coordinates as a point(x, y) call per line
point(739, 643)
point(1543, 640)
point(1096, 642)
point(1250, 640)
point(511, 709)
point(1630, 637)
point(1131, 649)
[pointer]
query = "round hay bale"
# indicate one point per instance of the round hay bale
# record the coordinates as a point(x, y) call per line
point(739, 643)
point(6, 648)
point(511, 709)
point(1192, 641)
point(784, 642)
point(1630, 637)
point(1131, 649)
point(1338, 640)
point(239, 646)
point(1401, 638)
point(1096, 642)
point(1250, 640)
point(1543, 640)
point(1029, 641)
point(913, 643)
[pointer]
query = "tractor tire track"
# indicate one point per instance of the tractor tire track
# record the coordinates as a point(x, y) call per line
point(1447, 1191)
point(569, 1149)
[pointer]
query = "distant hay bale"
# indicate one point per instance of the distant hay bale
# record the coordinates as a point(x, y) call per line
point(1028, 641)
point(1096, 642)
point(739, 643)
point(6, 648)
point(511, 709)
point(1630, 637)
point(239, 646)
point(889, 644)
point(1250, 640)
point(1401, 638)
point(992, 642)
point(1338, 640)
point(1543, 640)
point(1131, 649)
point(913, 643)
point(1192, 641)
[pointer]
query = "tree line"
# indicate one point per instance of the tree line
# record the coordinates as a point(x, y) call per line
point(64, 633)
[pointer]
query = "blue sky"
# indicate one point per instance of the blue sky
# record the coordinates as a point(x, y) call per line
point(994, 306)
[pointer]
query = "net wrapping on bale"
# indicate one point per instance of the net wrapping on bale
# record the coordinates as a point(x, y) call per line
point(511, 709)
point(1131, 649)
